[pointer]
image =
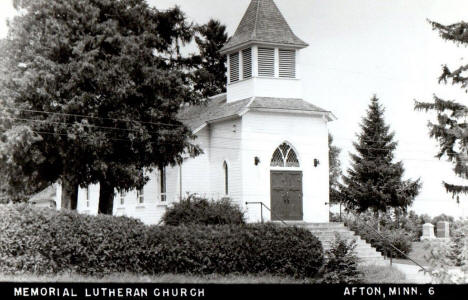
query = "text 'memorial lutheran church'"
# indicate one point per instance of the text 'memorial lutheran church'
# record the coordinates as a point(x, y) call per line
point(262, 141)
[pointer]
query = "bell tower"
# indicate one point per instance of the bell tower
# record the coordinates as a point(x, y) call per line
point(263, 55)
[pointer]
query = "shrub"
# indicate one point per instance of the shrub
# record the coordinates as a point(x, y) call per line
point(44, 241)
point(196, 210)
point(342, 263)
point(400, 238)
point(449, 260)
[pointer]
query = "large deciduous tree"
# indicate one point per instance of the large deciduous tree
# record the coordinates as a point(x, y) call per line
point(210, 76)
point(374, 182)
point(91, 95)
point(334, 172)
point(451, 128)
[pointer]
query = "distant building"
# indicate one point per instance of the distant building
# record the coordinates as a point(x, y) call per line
point(262, 141)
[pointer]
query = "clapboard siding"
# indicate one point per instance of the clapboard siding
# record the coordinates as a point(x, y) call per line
point(262, 133)
point(225, 146)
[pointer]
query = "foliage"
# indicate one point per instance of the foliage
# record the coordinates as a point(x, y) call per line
point(335, 171)
point(449, 261)
point(398, 237)
point(341, 264)
point(44, 241)
point(92, 92)
point(197, 210)
point(210, 76)
point(451, 130)
point(374, 181)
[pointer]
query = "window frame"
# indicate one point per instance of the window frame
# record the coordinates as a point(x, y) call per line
point(162, 184)
point(87, 197)
point(226, 178)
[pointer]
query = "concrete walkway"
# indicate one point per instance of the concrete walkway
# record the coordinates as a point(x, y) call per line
point(413, 273)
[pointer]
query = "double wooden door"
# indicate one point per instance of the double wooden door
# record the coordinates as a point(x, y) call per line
point(286, 195)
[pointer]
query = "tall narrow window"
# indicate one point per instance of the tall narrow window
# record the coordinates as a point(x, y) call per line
point(247, 63)
point(122, 198)
point(140, 196)
point(141, 192)
point(88, 197)
point(226, 178)
point(266, 62)
point(234, 66)
point(162, 183)
point(287, 63)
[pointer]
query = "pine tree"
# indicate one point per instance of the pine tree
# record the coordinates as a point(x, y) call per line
point(210, 76)
point(451, 128)
point(91, 95)
point(374, 182)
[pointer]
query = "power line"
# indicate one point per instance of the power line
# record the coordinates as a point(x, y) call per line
point(91, 117)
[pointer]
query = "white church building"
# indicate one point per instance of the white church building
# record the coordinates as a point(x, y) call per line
point(262, 141)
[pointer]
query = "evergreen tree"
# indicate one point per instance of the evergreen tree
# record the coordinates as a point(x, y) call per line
point(451, 128)
point(210, 76)
point(91, 95)
point(374, 181)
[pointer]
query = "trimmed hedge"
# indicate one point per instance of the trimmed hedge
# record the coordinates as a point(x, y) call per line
point(48, 241)
point(197, 210)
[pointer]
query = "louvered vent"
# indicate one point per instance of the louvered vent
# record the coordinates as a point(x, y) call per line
point(247, 62)
point(266, 62)
point(287, 63)
point(234, 67)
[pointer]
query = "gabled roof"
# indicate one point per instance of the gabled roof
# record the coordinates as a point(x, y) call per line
point(47, 194)
point(263, 23)
point(216, 109)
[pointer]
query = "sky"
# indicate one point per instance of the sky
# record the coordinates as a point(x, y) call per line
point(358, 48)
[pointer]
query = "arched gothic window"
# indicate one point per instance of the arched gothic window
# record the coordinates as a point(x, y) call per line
point(226, 179)
point(284, 156)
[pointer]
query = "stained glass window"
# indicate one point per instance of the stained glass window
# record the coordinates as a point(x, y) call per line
point(284, 156)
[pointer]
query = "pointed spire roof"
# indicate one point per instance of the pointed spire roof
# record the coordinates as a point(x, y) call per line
point(263, 23)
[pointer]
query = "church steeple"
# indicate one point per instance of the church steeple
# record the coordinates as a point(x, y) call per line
point(263, 23)
point(263, 55)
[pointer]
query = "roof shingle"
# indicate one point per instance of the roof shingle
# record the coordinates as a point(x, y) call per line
point(263, 22)
point(216, 108)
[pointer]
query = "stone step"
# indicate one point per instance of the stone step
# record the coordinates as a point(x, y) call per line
point(326, 233)
point(362, 251)
point(321, 225)
point(332, 235)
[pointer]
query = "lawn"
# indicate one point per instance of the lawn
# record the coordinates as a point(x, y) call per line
point(164, 278)
point(382, 274)
point(418, 254)
point(372, 274)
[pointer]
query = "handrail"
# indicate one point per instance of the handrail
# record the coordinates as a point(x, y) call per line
point(264, 205)
point(391, 245)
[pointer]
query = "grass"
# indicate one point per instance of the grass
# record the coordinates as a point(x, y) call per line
point(163, 278)
point(382, 274)
point(418, 253)
point(372, 274)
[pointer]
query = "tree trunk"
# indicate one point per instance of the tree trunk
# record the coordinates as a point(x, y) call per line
point(397, 215)
point(341, 220)
point(106, 198)
point(377, 216)
point(69, 195)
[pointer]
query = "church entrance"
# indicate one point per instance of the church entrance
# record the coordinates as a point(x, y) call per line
point(286, 185)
